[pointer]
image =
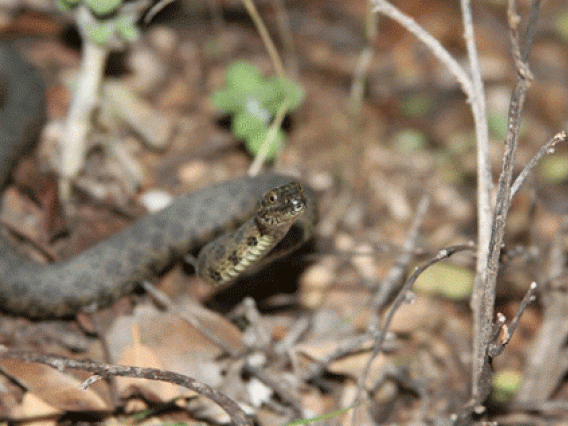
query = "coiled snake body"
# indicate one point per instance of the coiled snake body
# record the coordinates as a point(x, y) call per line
point(110, 270)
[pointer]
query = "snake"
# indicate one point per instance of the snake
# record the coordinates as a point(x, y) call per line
point(237, 224)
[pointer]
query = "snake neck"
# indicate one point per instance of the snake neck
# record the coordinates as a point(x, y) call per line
point(224, 259)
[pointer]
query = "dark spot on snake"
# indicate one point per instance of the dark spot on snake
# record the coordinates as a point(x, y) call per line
point(252, 241)
point(214, 275)
point(263, 231)
point(234, 258)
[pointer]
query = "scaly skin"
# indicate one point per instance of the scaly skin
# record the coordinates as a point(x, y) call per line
point(104, 273)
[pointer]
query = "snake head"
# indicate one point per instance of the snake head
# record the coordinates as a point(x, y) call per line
point(281, 205)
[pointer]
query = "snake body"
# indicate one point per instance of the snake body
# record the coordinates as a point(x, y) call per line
point(107, 271)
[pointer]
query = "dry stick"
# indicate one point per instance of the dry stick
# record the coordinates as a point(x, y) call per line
point(261, 28)
point(402, 297)
point(47, 252)
point(284, 28)
point(101, 370)
point(364, 61)
point(155, 9)
point(547, 149)
point(284, 389)
point(434, 45)
point(484, 178)
point(543, 372)
point(497, 348)
point(473, 88)
point(256, 165)
point(481, 371)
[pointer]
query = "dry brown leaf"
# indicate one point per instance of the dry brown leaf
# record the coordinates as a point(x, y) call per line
point(56, 388)
point(141, 355)
point(34, 407)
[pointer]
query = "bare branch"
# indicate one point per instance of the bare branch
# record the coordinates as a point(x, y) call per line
point(402, 297)
point(496, 349)
point(425, 37)
point(100, 370)
point(484, 176)
point(547, 149)
point(485, 300)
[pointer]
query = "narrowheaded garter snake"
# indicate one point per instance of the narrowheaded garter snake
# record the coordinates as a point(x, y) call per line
point(110, 270)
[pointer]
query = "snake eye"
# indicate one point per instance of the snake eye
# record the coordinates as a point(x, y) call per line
point(272, 197)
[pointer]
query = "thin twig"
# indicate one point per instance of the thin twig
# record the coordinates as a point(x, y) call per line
point(547, 149)
point(268, 43)
point(100, 370)
point(49, 253)
point(434, 45)
point(364, 61)
point(484, 177)
point(284, 28)
point(262, 153)
point(403, 296)
point(485, 304)
point(497, 348)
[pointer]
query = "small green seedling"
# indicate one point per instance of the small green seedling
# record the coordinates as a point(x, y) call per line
point(253, 101)
point(107, 20)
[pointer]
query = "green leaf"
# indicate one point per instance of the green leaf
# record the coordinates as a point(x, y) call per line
point(506, 384)
point(127, 29)
point(67, 5)
point(246, 126)
point(561, 24)
point(446, 279)
point(103, 7)
point(255, 142)
point(409, 140)
point(554, 169)
point(276, 91)
point(418, 105)
point(325, 416)
point(497, 124)
point(229, 100)
point(101, 32)
point(242, 75)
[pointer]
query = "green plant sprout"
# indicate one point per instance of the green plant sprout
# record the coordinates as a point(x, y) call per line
point(104, 25)
point(108, 22)
point(253, 101)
